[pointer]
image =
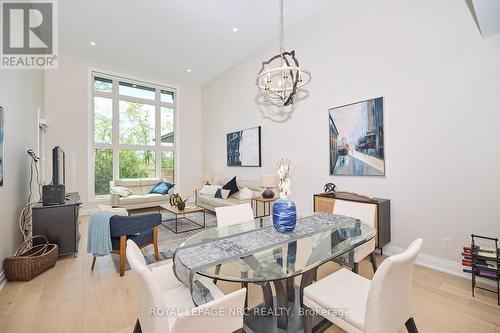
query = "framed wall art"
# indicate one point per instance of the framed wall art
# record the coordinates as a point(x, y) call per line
point(244, 148)
point(357, 139)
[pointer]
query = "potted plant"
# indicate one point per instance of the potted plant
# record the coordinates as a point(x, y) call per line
point(176, 200)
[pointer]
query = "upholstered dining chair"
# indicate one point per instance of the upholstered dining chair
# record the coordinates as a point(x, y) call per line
point(142, 229)
point(230, 215)
point(165, 305)
point(366, 213)
point(382, 305)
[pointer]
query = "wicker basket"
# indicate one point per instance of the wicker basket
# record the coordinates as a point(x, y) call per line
point(28, 263)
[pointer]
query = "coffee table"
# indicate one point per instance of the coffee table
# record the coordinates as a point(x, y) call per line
point(180, 215)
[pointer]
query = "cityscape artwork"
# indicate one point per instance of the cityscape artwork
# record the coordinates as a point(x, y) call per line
point(243, 148)
point(357, 139)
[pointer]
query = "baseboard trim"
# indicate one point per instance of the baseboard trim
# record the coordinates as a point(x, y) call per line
point(435, 263)
point(3, 279)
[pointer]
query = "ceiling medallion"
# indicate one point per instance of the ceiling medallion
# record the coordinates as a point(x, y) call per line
point(281, 77)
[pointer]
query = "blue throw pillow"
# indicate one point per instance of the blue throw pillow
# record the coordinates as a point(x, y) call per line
point(218, 193)
point(161, 188)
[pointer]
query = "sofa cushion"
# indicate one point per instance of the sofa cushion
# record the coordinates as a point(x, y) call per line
point(154, 197)
point(244, 194)
point(214, 202)
point(251, 184)
point(232, 186)
point(121, 191)
point(128, 182)
point(133, 199)
point(209, 189)
point(221, 194)
point(150, 181)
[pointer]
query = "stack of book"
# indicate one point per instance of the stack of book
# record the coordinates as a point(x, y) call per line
point(483, 262)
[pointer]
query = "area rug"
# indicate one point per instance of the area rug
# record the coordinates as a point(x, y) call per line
point(168, 240)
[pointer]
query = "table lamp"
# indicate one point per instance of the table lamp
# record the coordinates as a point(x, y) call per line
point(207, 178)
point(268, 181)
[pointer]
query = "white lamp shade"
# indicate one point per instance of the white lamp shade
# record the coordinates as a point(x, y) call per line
point(268, 180)
point(207, 177)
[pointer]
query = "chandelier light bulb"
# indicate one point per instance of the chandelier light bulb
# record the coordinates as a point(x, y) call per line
point(281, 77)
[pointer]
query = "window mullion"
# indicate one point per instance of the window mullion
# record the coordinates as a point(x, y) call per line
point(103, 94)
point(168, 105)
point(158, 132)
point(136, 100)
point(116, 131)
point(115, 145)
point(103, 146)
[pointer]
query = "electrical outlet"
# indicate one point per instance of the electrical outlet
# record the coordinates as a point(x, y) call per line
point(447, 243)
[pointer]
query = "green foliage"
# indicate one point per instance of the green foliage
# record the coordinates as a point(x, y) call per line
point(103, 129)
point(167, 161)
point(179, 200)
point(103, 170)
point(141, 133)
point(133, 164)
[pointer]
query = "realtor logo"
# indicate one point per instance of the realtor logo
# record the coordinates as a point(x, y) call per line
point(29, 34)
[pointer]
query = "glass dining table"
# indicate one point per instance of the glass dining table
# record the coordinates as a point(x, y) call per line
point(279, 265)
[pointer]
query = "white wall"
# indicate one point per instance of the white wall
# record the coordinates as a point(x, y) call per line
point(67, 104)
point(21, 96)
point(441, 85)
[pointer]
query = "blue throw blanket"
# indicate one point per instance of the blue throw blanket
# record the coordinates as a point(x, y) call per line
point(98, 236)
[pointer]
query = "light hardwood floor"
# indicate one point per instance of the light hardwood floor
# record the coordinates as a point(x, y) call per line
point(72, 298)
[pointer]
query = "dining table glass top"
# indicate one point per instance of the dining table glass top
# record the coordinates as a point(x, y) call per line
point(283, 260)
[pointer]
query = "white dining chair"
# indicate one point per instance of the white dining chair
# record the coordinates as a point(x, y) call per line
point(165, 306)
point(230, 215)
point(382, 305)
point(366, 213)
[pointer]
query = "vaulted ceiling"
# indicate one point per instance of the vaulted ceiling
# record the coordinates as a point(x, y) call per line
point(168, 37)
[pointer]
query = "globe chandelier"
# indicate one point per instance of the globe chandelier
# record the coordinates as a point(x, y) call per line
point(281, 77)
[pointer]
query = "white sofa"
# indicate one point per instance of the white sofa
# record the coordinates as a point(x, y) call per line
point(210, 203)
point(140, 197)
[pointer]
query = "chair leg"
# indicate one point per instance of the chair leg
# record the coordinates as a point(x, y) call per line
point(245, 285)
point(217, 271)
point(307, 319)
point(123, 244)
point(410, 326)
point(93, 263)
point(155, 243)
point(355, 268)
point(374, 262)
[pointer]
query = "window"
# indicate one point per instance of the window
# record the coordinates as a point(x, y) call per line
point(133, 131)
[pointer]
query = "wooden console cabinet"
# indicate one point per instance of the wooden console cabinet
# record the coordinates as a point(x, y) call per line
point(59, 223)
point(324, 203)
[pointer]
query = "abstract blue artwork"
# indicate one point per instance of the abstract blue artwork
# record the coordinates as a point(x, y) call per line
point(243, 148)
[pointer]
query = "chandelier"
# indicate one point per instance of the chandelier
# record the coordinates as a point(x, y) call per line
point(281, 77)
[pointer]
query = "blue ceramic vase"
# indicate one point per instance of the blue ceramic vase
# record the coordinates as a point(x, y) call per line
point(284, 215)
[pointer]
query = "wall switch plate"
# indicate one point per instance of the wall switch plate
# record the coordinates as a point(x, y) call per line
point(447, 243)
